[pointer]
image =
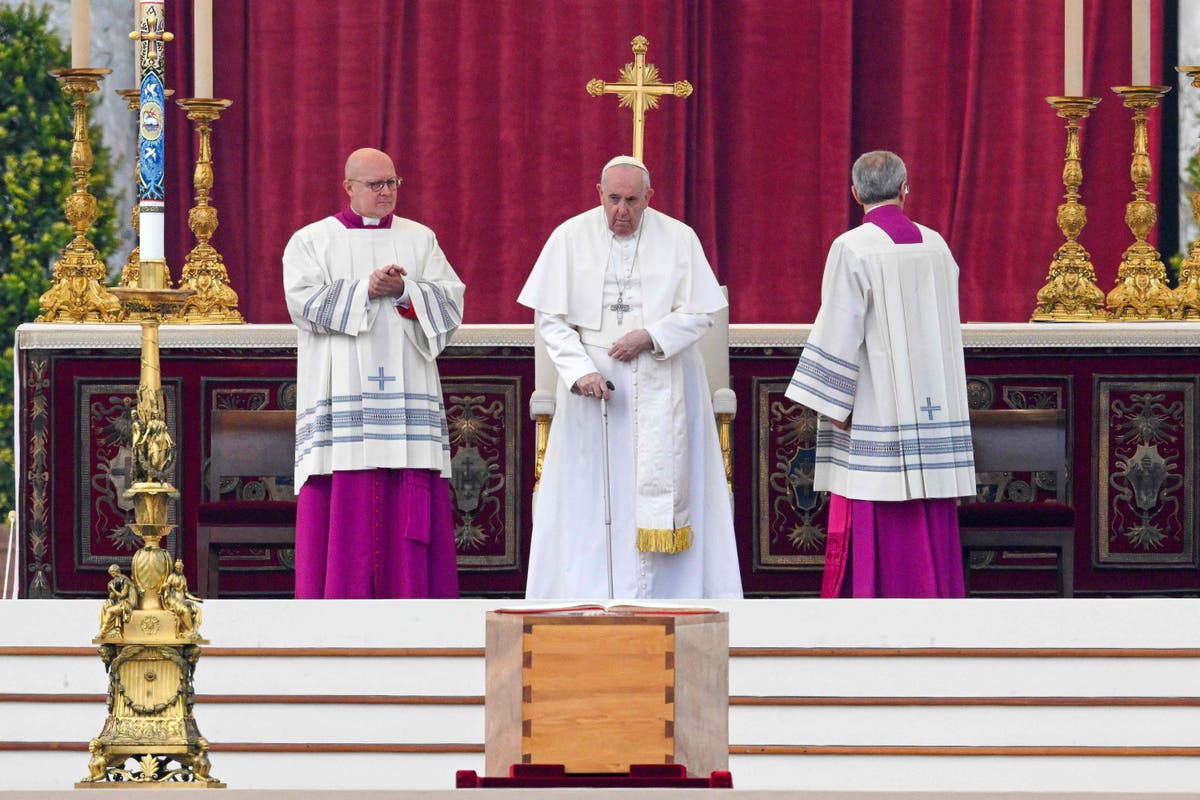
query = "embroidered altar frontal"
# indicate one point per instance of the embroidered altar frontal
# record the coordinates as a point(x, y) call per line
point(1129, 391)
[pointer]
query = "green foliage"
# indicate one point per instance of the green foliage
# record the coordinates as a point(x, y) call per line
point(36, 124)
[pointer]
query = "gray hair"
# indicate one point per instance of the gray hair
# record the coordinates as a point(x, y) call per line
point(878, 176)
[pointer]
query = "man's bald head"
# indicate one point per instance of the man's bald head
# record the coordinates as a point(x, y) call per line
point(367, 159)
point(365, 166)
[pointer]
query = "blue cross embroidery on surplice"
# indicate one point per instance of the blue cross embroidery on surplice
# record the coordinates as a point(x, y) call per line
point(381, 378)
point(929, 407)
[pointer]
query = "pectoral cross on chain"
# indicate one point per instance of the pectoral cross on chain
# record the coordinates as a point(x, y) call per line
point(620, 307)
point(639, 89)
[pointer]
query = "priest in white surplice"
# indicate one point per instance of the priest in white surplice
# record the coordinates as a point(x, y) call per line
point(621, 294)
point(883, 367)
point(374, 301)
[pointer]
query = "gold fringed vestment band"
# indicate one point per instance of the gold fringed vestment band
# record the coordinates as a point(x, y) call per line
point(664, 540)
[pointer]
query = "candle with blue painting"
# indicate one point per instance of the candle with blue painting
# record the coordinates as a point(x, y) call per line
point(151, 146)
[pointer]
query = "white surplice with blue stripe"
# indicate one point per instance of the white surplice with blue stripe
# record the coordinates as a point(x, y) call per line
point(369, 395)
point(897, 373)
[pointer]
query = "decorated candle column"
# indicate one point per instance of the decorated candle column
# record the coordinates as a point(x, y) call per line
point(152, 38)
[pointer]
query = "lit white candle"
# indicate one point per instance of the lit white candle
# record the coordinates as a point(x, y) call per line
point(202, 50)
point(1141, 43)
point(1073, 48)
point(81, 52)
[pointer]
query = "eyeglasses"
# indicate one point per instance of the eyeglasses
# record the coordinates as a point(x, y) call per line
point(377, 186)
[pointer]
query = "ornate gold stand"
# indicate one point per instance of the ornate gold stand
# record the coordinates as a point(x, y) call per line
point(1141, 292)
point(1071, 293)
point(204, 270)
point(78, 293)
point(149, 633)
point(725, 435)
point(131, 272)
point(541, 440)
point(1187, 295)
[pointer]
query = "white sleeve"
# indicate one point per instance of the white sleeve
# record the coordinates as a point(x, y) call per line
point(564, 347)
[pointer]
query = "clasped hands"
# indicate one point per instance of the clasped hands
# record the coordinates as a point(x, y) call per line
point(386, 282)
point(626, 349)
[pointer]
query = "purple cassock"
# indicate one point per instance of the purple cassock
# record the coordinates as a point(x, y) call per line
point(375, 533)
point(908, 548)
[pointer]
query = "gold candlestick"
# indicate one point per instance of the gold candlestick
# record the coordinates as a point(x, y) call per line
point(78, 293)
point(1141, 292)
point(204, 269)
point(131, 272)
point(1071, 293)
point(1187, 295)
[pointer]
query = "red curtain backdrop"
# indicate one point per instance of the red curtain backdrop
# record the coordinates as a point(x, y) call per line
point(483, 108)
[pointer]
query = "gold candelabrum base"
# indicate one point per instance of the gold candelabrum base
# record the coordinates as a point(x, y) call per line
point(78, 293)
point(1141, 293)
point(1071, 293)
point(1187, 294)
point(204, 271)
point(149, 633)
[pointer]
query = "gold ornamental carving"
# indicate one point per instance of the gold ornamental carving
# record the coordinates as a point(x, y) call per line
point(78, 293)
point(639, 88)
point(1071, 293)
point(149, 625)
point(1187, 294)
point(725, 436)
point(204, 271)
point(541, 441)
point(1141, 292)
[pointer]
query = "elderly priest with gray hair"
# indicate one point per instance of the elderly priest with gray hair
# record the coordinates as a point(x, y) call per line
point(883, 367)
point(621, 295)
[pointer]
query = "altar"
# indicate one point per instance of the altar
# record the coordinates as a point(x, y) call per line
point(1128, 389)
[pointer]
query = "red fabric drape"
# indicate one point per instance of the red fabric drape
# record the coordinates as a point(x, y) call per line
point(482, 106)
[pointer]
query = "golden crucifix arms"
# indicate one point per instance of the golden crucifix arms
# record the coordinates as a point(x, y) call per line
point(639, 88)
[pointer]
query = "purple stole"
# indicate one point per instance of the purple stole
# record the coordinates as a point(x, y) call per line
point(891, 220)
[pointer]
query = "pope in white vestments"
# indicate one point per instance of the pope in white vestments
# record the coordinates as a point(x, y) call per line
point(883, 366)
point(374, 301)
point(621, 295)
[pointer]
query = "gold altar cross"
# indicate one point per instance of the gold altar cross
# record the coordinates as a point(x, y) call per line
point(639, 88)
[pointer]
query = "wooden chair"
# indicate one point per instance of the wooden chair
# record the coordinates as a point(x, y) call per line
point(714, 349)
point(1032, 440)
point(244, 444)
